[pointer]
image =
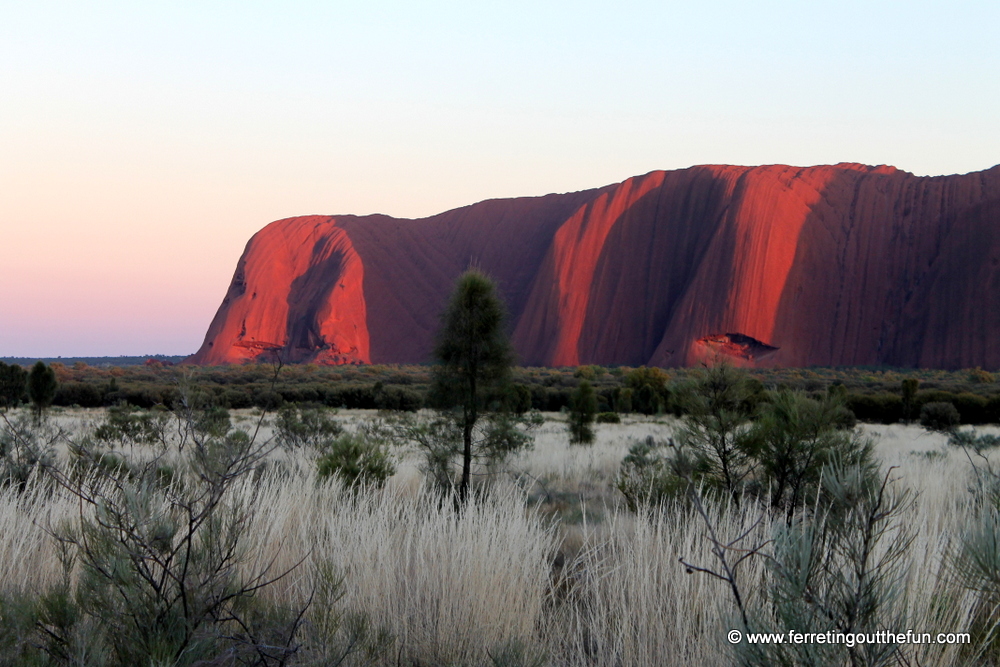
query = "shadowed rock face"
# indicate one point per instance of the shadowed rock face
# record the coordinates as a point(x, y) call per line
point(765, 266)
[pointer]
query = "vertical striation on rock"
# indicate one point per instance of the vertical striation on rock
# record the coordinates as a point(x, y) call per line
point(774, 265)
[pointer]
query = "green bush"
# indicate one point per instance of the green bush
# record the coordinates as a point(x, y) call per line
point(909, 388)
point(351, 397)
point(883, 408)
point(608, 418)
point(517, 398)
point(158, 572)
point(212, 422)
point(979, 376)
point(622, 400)
point(296, 427)
point(583, 408)
point(992, 409)
point(267, 399)
point(972, 440)
point(13, 384)
point(236, 399)
point(647, 400)
point(356, 459)
point(127, 426)
point(26, 448)
point(939, 417)
point(397, 398)
point(971, 408)
point(794, 440)
point(439, 437)
point(549, 399)
point(853, 553)
point(718, 407)
point(647, 477)
point(156, 568)
point(649, 392)
point(79, 393)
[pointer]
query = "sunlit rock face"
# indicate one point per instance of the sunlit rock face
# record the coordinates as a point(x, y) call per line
point(763, 266)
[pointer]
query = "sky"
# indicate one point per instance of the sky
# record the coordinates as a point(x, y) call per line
point(143, 144)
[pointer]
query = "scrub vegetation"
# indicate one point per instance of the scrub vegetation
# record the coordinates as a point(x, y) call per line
point(191, 534)
point(878, 395)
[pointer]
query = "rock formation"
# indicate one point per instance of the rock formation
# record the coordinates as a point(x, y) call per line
point(774, 265)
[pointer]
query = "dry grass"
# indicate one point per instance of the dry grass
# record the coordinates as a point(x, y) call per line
point(571, 575)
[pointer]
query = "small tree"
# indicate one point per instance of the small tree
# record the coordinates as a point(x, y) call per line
point(718, 408)
point(41, 387)
point(794, 439)
point(13, 380)
point(649, 389)
point(622, 399)
point(474, 356)
point(582, 410)
point(909, 387)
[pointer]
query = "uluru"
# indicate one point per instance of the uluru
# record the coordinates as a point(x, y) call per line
point(766, 266)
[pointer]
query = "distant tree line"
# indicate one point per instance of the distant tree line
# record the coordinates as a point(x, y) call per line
point(878, 396)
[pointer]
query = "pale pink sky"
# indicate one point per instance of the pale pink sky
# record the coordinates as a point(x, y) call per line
point(141, 147)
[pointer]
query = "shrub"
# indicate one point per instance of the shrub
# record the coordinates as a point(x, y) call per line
point(649, 392)
point(608, 418)
point(356, 458)
point(971, 408)
point(268, 399)
point(351, 396)
point(622, 400)
point(236, 399)
point(647, 400)
point(25, 448)
point(517, 398)
point(838, 570)
point(125, 425)
point(549, 399)
point(13, 384)
point(979, 376)
point(296, 427)
point(909, 388)
point(605, 399)
point(583, 407)
point(972, 440)
point(396, 398)
point(992, 409)
point(939, 417)
point(883, 408)
point(159, 563)
point(79, 393)
point(647, 479)
point(211, 422)
point(793, 440)
point(718, 407)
